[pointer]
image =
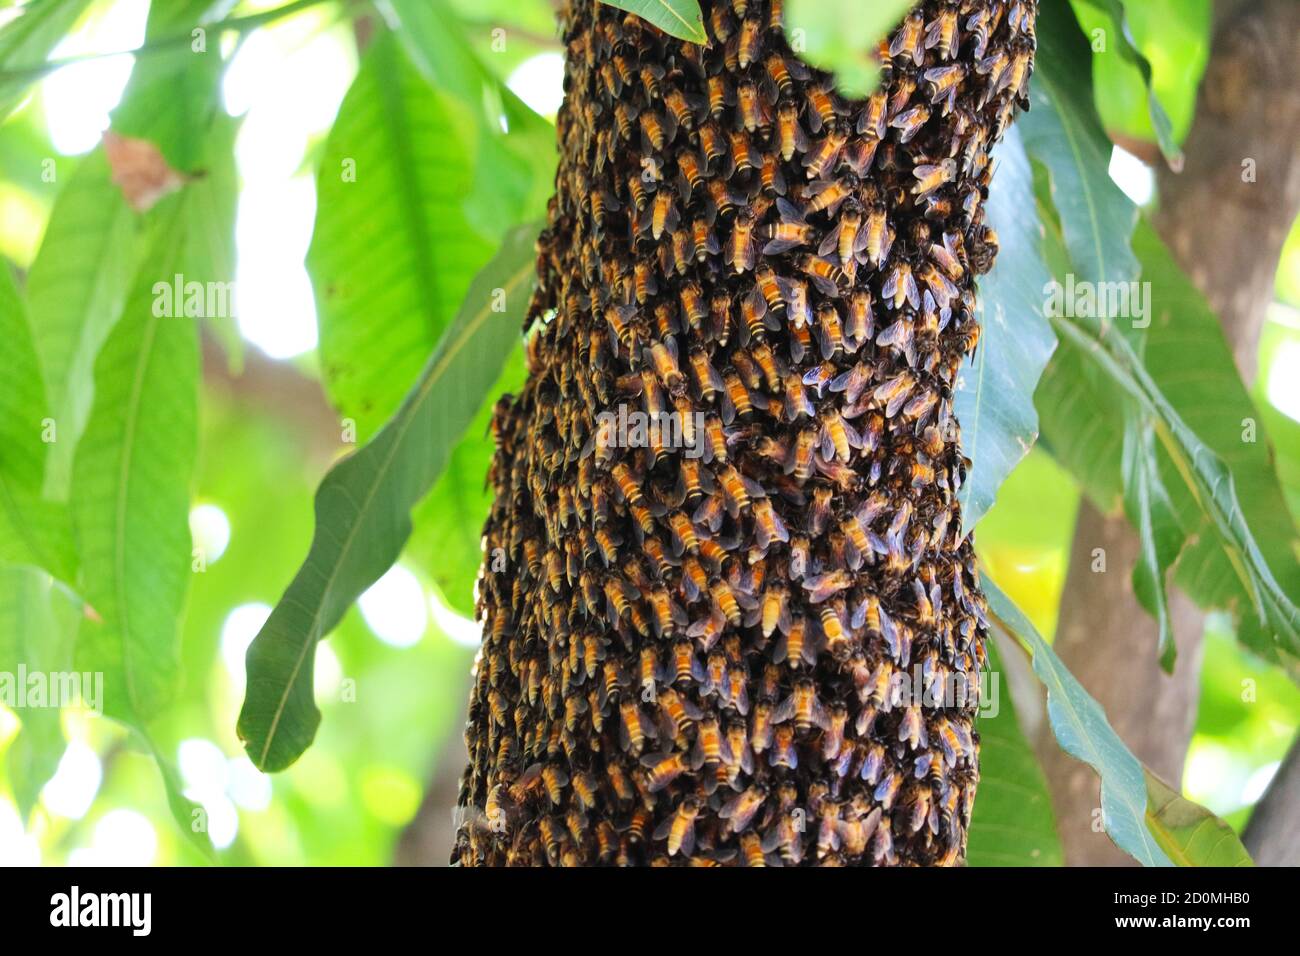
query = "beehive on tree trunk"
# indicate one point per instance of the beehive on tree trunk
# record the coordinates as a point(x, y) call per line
point(729, 616)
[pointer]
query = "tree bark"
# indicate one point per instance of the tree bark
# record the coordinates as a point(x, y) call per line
point(1226, 229)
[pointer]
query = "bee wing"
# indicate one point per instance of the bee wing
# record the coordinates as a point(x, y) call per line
point(784, 710)
point(665, 827)
point(831, 242)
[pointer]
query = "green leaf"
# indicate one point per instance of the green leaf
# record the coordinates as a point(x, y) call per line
point(842, 37)
point(994, 401)
point(1121, 59)
point(363, 505)
point(37, 626)
point(1013, 823)
point(448, 536)
point(1190, 363)
point(392, 254)
point(172, 97)
point(33, 530)
point(1083, 732)
point(1150, 512)
point(130, 488)
point(678, 18)
point(75, 292)
point(514, 150)
point(27, 40)
point(1190, 834)
point(1061, 131)
point(1206, 477)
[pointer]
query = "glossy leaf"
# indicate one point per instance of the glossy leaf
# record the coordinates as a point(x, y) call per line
point(75, 291)
point(392, 253)
point(27, 40)
point(994, 400)
point(363, 505)
point(1190, 834)
point(1013, 823)
point(1081, 728)
point(130, 487)
point(1160, 540)
point(514, 149)
point(38, 622)
point(33, 530)
point(1061, 131)
point(678, 18)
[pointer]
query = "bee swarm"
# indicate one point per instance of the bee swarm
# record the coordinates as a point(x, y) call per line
point(695, 651)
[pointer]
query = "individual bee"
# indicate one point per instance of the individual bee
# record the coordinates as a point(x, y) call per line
point(634, 729)
point(663, 216)
point(680, 827)
point(933, 175)
point(740, 248)
point(790, 231)
point(909, 41)
point(900, 286)
point(825, 275)
point(768, 526)
point(663, 768)
point(711, 747)
point(741, 809)
point(662, 357)
point(820, 160)
point(752, 110)
point(749, 44)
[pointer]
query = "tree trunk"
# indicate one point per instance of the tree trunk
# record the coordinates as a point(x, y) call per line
point(1225, 217)
point(700, 645)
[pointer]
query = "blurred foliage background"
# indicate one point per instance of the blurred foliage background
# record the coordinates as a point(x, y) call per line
point(392, 679)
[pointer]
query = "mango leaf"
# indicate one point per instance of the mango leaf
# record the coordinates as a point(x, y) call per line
point(514, 150)
point(994, 400)
point(1061, 131)
point(363, 505)
point(448, 536)
point(842, 36)
point(27, 40)
point(1210, 482)
point(1119, 63)
point(130, 487)
point(33, 530)
point(172, 97)
point(392, 254)
point(37, 627)
point(1012, 824)
point(1082, 730)
point(75, 291)
point(1190, 834)
point(678, 18)
point(1191, 364)
point(1149, 510)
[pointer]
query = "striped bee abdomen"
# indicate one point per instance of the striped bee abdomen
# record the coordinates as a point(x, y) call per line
point(729, 617)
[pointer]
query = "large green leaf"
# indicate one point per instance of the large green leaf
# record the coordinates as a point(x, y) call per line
point(1131, 99)
point(1187, 832)
point(841, 36)
point(1062, 132)
point(514, 149)
point(994, 400)
point(172, 97)
point(1209, 481)
point(448, 536)
point(363, 505)
point(1160, 539)
point(1083, 732)
point(392, 253)
point(27, 40)
point(37, 627)
point(679, 18)
point(1012, 824)
point(75, 291)
point(130, 488)
point(1191, 365)
point(33, 530)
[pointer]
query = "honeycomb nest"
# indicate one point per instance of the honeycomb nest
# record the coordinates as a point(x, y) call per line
point(729, 615)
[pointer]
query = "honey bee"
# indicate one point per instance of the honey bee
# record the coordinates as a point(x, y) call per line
point(825, 275)
point(740, 249)
point(634, 729)
point(680, 827)
point(790, 231)
point(741, 809)
point(821, 159)
point(662, 769)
